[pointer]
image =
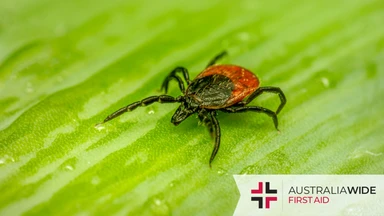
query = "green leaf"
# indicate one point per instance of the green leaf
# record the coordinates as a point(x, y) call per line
point(66, 65)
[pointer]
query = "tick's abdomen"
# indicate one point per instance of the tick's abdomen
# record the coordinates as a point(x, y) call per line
point(221, 86)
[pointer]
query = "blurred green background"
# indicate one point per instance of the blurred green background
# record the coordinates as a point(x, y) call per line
point(65, 65)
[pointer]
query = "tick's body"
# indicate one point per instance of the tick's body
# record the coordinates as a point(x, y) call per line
point(222, 86)
point(218, 87)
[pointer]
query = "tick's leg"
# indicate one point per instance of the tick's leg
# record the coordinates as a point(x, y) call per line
point(216, 58)
point(253, 109)
point(274, 90)
point(144, 102)
point(217, 136)
point(172, 75)
point(178, 79)
point(206, 120)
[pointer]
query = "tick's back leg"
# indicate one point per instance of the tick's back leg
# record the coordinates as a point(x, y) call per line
point(253, 109)
point(205, 119)
point(216, 127)
point(173, 75)
point(270, 89)
point(209, 120)
point(217, 58)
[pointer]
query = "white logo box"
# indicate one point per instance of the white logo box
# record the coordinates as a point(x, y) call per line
point(311, 195)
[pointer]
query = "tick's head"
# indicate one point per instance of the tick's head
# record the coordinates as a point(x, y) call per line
point(187, 108)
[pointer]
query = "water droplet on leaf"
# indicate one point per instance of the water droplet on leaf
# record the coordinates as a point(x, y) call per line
point(325, 81)
point(159, 207)
point(99, 127)
point(69, 167)
point(244, 36)
point(221, 171)
point(6, 159)
point(29, 88)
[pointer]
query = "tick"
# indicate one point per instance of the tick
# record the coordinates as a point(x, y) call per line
point(226, 88)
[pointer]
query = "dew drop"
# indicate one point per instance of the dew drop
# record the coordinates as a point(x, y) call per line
point(100, 127)
point(150, 110)
point(159, 207)
point(29, 88)
point(158, 202)
point(221, 171)
point(325, 81)
point(243, 36)
point(69, 167)
point(6, 159)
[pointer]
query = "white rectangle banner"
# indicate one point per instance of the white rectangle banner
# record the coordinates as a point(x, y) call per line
point(310, 195)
